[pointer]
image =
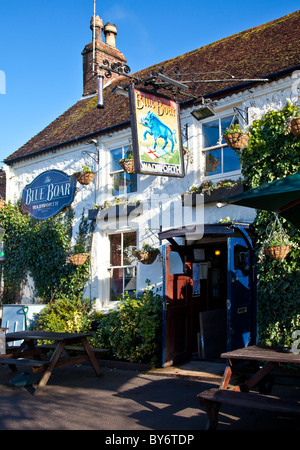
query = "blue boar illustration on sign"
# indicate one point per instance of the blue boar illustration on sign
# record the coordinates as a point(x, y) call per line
point(158, 130)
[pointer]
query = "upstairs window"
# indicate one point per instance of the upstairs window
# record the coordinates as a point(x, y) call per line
point(122, 183)
point(219, 158)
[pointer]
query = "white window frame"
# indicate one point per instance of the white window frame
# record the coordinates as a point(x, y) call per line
point(221, 146)
point(111, 267)
point(124, 147)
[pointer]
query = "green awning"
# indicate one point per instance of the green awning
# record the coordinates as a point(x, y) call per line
point(281, 196)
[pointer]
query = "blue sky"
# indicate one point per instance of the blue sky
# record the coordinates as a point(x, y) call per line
point(41, 43)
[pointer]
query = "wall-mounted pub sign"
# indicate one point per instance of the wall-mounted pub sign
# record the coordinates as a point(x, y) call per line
point(48, 194)
point(156, 134)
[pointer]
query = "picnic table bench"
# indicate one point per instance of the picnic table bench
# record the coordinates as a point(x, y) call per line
point(241, 395)
point(30, 353)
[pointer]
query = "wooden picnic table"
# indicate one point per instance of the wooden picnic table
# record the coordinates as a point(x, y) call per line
point(266, 360)
point(30, 352)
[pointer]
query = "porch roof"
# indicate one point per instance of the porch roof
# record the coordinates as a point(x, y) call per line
point(196, 232)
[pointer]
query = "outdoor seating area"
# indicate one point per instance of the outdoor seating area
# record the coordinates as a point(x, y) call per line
point(132, 400)
point(32, 353)
point(242, 395)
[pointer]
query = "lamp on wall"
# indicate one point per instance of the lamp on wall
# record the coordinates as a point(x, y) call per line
point(120, 91)
point(203, 111)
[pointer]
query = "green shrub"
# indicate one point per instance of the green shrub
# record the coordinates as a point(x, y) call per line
point(134, 331)
point(65, 315)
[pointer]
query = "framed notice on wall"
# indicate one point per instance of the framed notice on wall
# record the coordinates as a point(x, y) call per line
point(156, 134)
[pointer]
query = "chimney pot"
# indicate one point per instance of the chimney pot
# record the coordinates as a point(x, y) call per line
point(98, 28)
point(93, 56)
point(110, 32)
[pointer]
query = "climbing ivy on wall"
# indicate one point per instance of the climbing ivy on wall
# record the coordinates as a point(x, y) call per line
point(40, 249)
point(273, 153)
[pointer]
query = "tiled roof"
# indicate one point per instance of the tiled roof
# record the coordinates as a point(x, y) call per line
point(272, 48)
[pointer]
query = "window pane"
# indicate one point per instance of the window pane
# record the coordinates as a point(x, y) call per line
point(116, 284)
point(241, 259)
point(213, 162)
point(131, 182)
point(128, 151)
point(210, 132)
point(129, 279)
point(116, 155)
point(129, 244)
point(115, 250)
point(118, 184)
point(231, 160)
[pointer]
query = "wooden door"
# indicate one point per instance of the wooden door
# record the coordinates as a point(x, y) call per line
point(176, 346)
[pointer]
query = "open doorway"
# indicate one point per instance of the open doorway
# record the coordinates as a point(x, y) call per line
point(196, 302)
point(210, 298)
point(210, 327)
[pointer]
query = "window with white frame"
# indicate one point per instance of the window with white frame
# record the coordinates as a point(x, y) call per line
point(219, 158)
point(122, 264)
point(122, 183)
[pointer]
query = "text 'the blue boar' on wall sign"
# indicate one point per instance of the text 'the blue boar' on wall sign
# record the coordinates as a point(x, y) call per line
point(48, 194)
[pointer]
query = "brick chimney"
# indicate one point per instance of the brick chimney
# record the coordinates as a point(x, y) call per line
point(103, 50)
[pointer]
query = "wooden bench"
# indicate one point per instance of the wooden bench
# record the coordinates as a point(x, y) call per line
point(213, 398)
point(23, 362)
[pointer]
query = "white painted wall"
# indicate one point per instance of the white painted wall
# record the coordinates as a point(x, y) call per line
point(70, 159)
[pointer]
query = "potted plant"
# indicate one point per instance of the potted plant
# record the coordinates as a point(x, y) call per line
point(277, 249)
point(127, 163)
point(147, 254)
point(80, 253)
point(278, 244)
point(235, 137)
point(86, 176)
point(83, 243)
point(77, 259)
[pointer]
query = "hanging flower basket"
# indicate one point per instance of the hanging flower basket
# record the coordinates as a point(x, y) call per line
point(84, 177)
point(235, 137)
point(147, 255)
point(277, 251)
point(295, 126)
point(127, 165)
point(278, 244)
point(236, 141)
point(78, 259)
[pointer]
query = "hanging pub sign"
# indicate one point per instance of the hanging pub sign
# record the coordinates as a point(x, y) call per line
point(48, 194)
point(156, 134)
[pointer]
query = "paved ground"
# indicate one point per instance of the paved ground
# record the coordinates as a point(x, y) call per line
point(74, 399)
